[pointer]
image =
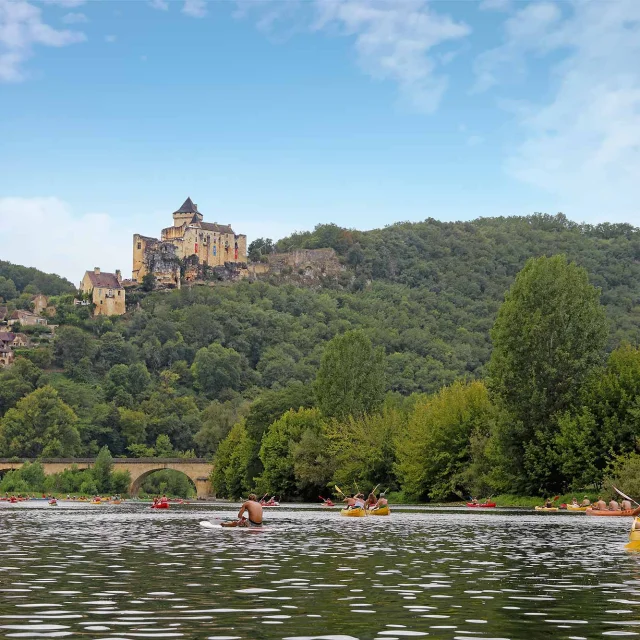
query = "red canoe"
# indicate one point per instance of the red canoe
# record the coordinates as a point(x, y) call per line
point(160, 505)
point(484, 505)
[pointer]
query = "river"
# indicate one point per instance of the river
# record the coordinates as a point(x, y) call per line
point(125, 572)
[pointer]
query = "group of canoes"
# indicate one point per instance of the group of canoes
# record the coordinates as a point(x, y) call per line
point(598, 508)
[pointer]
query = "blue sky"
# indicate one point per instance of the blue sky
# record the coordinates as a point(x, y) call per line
point(276, 115)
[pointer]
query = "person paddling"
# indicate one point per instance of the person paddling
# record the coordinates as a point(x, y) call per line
point(585, 502)
point(254, 510)
point(626, 505)
point(600, 505)
point(613, 505)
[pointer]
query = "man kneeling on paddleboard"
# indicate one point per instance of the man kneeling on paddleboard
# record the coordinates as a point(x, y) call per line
point(254, 511)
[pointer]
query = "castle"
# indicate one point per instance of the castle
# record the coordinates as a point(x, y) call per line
point(190, 240)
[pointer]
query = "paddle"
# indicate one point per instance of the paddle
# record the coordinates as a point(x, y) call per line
point(339, 490)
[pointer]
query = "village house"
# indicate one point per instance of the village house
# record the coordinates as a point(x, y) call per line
point(4, 312)
point(26, 318)
point(106, 292)
point(40, 303)
point(8, 339)
point(6, 357)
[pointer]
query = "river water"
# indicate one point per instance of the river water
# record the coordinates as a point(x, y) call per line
point(129, 572)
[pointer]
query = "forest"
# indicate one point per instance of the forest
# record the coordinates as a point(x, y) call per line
point(448, 360)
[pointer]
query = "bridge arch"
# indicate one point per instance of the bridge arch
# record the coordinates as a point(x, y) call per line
point(197, 469)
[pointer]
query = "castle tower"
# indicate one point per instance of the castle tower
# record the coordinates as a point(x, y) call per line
point(187, 213)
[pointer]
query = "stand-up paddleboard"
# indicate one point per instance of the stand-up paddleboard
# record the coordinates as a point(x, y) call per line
point(216, 525)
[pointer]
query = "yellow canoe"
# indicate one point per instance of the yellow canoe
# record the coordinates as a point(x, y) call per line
point(551, 509)
point(382, 511)
point(634, 536)
point(96, 502)
point(353, 513)
point(571, 507)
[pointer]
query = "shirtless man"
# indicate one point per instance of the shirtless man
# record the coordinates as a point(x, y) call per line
point(614, 506)
point(626, 505)
point(600, 505)
point(254, 511)
point(585, 502)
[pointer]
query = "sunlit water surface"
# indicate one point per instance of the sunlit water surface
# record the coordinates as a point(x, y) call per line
point(129, 572)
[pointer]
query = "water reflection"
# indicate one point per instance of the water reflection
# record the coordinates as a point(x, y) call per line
point(129, 572)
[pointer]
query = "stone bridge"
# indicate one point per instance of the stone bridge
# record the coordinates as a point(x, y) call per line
point(197, 469)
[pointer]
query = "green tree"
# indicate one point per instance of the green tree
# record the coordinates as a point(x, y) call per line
point(232, 462)
point(8, 289)
point(277, 451)
point(164, 448)
point(102, 469)
point(605, 425)
point(40, 424)
point(133, 426)
point(216, 369)
point(71, 345)
point(548, 337)
point(351, 376)
point(217, 420)
point(435, 452)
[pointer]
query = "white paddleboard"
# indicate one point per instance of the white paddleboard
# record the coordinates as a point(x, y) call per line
point(213, 525)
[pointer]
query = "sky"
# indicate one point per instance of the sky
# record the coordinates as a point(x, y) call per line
point(277, 115)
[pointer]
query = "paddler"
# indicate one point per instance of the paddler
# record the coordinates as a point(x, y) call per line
point(164, 500)
point(548, 504)
point(626, 505)
point(382, 501)
point(613, 505)
point(351, 502)
point(254, 510)
point(359, 501)
point(371, 500)
point(574, 502)
point(585, 502)
point(600, 504)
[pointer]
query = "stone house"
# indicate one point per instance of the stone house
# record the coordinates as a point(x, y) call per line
point(10, 340)
point(6, 357)
point(26, 318)
point(40, 303)
point(106, 291)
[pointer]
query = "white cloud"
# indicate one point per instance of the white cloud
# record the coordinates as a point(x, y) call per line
point(395, 40)
point(161, 5)
point(22, 28)
point(583, 144)
point(195, 8)
point(74, 18)
point(45, 233)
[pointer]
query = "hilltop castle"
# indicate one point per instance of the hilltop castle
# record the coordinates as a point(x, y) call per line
point(189, 240)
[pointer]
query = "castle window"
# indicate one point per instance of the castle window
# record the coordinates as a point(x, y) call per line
point(215, 250)
point(139, 245)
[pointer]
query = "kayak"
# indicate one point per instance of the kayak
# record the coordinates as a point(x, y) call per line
point(606, 512)
point(571, 507)
point(353, 513)
point(161, 505)
point(634, 537)
point(328, 503)
point(381, 511)
point(484, 505)
point(551, 509)
point(269, 504)
point(53, 503)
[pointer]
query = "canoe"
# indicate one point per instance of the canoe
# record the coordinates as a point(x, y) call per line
point(484, 505)
point(353, 513)
point(634, 536)
point(571, 507)
point(549, 509)
point(53, 503)
point(96, 502)
point(382, 511)
point(606, 512)
point(161, 505)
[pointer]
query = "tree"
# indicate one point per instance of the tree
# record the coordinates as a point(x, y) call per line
point(548, 337)
point(230, 476)
point(164, 448)
point(435, 452)
point(217, 420)
point(216, 369)
point(40, 424)
point(102, 468)
point(71, 345)
point(277, 450)
point(351, 379)
point(8, 289)
point(605, 424)
point(148, 282)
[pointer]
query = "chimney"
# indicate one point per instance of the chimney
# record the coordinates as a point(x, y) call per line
point(96, 270)
point(119, 275)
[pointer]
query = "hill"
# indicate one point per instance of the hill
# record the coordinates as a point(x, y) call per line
point(191, 363)
point(15, 280)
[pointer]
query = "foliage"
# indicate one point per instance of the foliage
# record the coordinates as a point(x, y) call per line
point(102, 470)
point(435, 452)
point(624, 472)
point(280, 453)
point(231, 476)
point(40, 424)
point(36, 281)
point(548, 337)
point(350, 380)
point(168, 482)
